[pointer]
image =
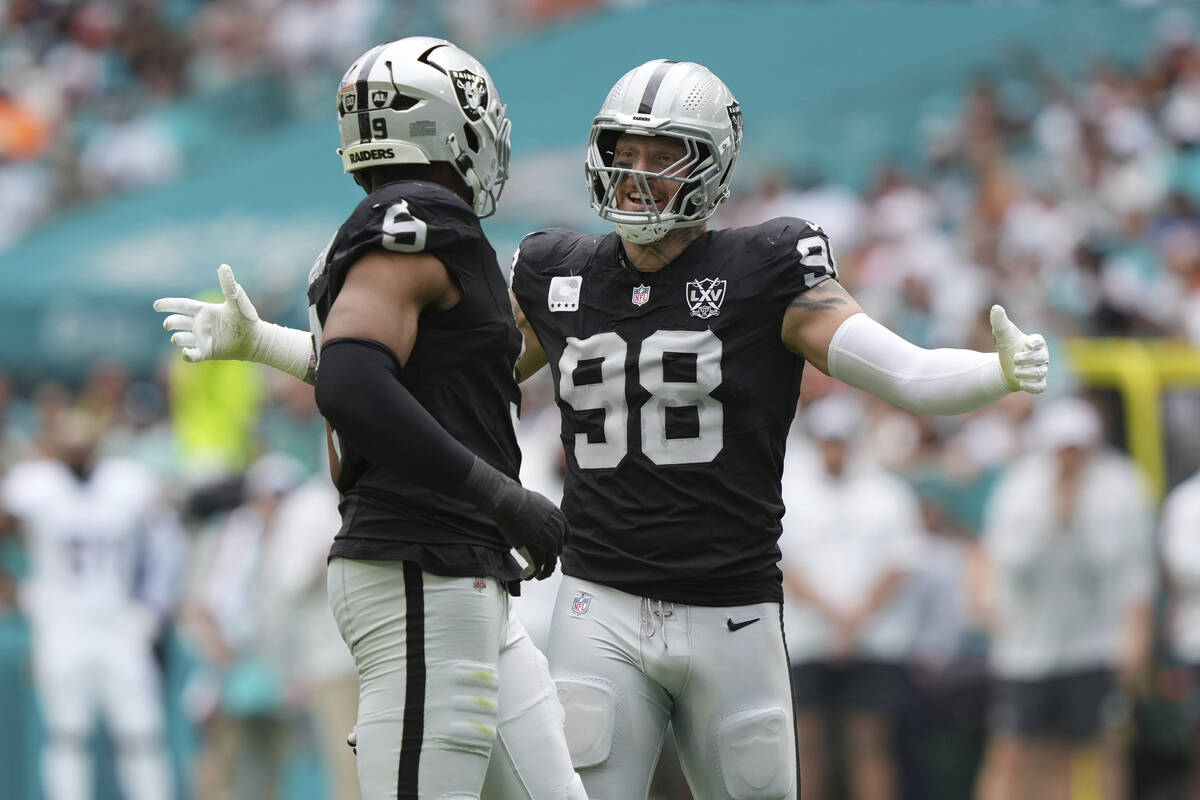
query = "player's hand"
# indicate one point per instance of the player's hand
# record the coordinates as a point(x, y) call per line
point(213, 331)
point(535, 527)
point(232, 330)
point(1024, 360)
point(550, 530)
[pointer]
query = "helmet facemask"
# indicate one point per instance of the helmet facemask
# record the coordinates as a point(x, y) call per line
point(693, 173)
point(686, 103)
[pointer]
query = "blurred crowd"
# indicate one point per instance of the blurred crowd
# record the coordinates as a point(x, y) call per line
point(87, 86)
point(992, 605)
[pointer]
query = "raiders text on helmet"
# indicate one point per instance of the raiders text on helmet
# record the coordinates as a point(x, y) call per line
point(680, 99)
point(421, 100)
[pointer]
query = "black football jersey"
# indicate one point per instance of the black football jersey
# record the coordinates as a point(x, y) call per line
point(676, 396)
point(460, 370)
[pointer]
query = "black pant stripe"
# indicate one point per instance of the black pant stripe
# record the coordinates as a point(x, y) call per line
point(414, 686)
point(792, 691)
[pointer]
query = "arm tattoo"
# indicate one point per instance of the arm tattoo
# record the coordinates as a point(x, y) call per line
point(826, 295)
point(310, 376)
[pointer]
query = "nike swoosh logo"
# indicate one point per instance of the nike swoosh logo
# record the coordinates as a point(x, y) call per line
point(737, 626)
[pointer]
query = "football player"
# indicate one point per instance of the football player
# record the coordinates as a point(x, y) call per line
point(104, 557)
point(416, 338)
point(676, 354)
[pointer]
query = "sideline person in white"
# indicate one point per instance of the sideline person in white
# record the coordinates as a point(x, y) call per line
point(850, 537)
point(103, 555)
point(1180, 539)
point(1069, 543)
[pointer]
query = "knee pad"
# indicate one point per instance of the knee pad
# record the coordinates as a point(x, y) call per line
point(590, 707)
point(756, 755)
point(471, 709)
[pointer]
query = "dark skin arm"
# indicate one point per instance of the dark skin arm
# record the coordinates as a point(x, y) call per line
point(382, 299)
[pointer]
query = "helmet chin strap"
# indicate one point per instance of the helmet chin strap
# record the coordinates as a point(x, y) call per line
point(648, 233)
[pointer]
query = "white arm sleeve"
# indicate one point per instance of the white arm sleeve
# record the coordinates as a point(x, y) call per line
point(868, 356)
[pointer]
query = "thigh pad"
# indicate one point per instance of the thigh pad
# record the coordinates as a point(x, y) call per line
point(590, 707)
point(470, 707)
point(755, 751)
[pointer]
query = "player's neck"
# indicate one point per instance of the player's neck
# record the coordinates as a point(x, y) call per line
point(656, 255)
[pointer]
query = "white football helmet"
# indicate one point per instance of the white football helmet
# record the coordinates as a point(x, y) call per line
point(421, 100)
point(680, 99)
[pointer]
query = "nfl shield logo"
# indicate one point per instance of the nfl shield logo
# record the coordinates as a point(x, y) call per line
point(641, 295)
point(580, 603)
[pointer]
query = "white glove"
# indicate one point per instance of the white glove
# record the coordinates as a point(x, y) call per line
point(1024, 360)
point(232, 330)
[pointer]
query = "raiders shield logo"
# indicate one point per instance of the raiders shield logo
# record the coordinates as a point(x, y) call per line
point(349, 102)
point(472, 92)
point(704, 296)
point(735, 119)
point(379, 97)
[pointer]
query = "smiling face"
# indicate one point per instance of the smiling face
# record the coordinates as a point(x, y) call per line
point(653, 154)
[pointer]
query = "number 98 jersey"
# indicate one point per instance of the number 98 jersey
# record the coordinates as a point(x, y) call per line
point(676, 396)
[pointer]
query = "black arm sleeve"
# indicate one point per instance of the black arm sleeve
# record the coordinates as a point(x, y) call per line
point(360, 393)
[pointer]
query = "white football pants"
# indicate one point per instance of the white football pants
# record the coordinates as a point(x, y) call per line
point(625, 666)
point(84, 668)
point(454, 699)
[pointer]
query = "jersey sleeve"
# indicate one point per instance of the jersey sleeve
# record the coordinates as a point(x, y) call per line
point(532, 265)
point(412, 218)
point(796, 254)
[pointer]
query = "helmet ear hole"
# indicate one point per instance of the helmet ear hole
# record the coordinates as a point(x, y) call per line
point(471, 137)
point(402, 102)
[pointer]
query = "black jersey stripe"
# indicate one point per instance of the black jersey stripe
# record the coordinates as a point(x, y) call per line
point(414, 684)
point(652, 85)
point(360, 89)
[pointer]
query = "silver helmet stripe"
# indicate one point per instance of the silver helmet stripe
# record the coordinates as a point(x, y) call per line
point(360, 89)
point(652, 85)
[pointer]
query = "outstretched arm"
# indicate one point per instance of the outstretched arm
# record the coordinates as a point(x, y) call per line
point(232, 330)
point(829, 329)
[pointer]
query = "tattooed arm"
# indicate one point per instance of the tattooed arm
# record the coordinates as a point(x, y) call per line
point(813, 317)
